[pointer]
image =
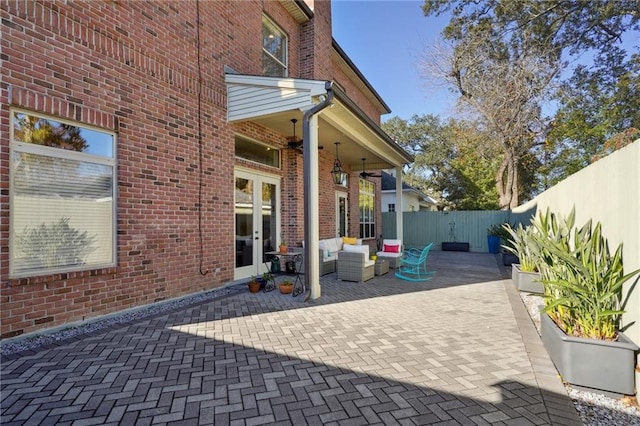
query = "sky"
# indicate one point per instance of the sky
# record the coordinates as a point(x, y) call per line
point(385, 40)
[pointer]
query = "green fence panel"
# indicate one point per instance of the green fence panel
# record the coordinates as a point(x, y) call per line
point(423, 227)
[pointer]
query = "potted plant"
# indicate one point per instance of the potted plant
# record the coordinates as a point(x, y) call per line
point(266, 277)
point(525, 275)
point(283, 247)
point(454, 245)
point(286, 287)
point(254, 285)
point(580, 325)
point(508, 257)
point(493, 238)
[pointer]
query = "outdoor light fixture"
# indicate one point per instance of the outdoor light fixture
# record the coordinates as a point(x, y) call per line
point(339, 175)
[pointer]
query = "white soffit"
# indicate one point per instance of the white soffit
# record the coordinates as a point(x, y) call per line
point(256, 96)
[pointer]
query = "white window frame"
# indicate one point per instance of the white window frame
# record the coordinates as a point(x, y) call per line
point(283, 62)
point(41, 150)
point(256, 147)
point(367, 190)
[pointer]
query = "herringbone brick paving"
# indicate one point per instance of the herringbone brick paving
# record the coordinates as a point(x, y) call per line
point(448, 351)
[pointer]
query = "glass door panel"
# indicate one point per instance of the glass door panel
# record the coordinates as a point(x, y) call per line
point(269, 218)
point(244, 222)
point(341, 214)
point(257, 221)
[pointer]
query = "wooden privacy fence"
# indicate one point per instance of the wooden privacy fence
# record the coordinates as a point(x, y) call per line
point(424, 227)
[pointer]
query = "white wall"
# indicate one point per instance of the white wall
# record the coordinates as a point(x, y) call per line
point(408, 201)
point(608, 191)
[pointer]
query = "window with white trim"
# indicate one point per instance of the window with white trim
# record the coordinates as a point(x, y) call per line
point(62, 195)
point(274, 49)
point(367, 203)
point(392, 207)
point(254, 151)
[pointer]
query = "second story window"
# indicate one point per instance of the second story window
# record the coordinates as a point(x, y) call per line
point(274, 50)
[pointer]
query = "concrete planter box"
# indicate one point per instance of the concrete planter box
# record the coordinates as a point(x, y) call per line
point(527, 282)
point(454, 246)
point(600, 365)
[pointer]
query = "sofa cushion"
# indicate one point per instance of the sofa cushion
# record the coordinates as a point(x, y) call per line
point(391, 242)
point(357, 249)
point(331, 245)
point(391, 248)
point(349, 240)
point(388, 254)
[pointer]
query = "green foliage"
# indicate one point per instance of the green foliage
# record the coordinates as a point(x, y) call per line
point(571, 26)
point(42, 131)
point(500, 230)
point(54, 245)
point(455, 162)
point(599, 110)
point(521, 244)
point(583, 281)
point(495, 40)
point(495, 230)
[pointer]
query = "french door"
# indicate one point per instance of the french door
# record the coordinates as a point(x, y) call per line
point(257, 221)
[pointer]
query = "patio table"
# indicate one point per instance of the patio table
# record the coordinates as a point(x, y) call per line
point(294, 256)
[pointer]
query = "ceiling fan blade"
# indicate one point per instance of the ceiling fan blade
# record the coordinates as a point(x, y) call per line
point(364, 174)
point(295, 144)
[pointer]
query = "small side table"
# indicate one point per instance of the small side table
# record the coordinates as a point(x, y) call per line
point(381, 267)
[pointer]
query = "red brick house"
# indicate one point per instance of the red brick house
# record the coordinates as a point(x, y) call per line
point(148, 152)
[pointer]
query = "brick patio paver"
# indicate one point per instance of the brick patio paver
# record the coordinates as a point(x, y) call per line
point(454, 350)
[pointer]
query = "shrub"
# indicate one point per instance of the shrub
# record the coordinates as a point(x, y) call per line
point(583, 281)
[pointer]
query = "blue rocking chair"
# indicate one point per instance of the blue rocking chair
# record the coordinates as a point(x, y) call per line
point(413, 266)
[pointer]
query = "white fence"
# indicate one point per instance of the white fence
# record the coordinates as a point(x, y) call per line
point(608, 191)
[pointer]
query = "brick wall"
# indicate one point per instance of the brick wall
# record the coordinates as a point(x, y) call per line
point(135, 68)
point(132, 67)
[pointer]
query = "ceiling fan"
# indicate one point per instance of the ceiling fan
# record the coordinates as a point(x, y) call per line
point(293, 141)
point(364, 174)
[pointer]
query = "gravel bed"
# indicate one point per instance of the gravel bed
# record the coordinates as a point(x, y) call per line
point(21, 344)
point(594, 409)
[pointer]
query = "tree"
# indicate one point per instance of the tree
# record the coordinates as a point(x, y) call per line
point(598, 107)
point(503, 84)
point(451, 164)
point(41, 131)
point(571, 26)
point(597, 102)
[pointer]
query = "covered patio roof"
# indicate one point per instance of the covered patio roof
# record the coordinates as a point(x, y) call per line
point(273, 102)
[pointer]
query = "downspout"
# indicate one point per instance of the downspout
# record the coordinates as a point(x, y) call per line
point(311, 210)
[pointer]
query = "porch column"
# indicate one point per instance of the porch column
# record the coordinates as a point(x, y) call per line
point(399, 207)
point(312, 212)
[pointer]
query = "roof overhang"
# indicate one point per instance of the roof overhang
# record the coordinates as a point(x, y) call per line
point(273, 102)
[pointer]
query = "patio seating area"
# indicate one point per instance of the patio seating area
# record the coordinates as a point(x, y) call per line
point(458, 349)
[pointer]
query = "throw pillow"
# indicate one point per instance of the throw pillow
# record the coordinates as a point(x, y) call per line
point(349, 240)
point(391, 249)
